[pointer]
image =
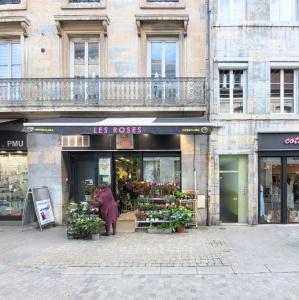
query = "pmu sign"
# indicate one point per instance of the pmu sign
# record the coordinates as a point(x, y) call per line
point(13, 141)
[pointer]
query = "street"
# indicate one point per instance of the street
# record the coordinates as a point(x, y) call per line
point(227, 262)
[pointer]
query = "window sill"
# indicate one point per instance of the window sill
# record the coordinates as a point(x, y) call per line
point(21, 6)
point(256, 24)
point(159, 5)
point(83, 5)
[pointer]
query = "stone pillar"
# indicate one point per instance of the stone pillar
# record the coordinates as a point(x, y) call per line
point(187, 152)
point(45, 167)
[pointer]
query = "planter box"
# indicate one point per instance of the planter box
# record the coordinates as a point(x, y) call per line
point(159, 231)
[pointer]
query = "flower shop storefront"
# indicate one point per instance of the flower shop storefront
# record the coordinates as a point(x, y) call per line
point(129, 153)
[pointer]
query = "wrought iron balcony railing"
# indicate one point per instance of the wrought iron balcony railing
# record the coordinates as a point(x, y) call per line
point(102, 92)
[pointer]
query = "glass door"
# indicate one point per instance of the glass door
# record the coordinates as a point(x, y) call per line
point(233, 189)
point(127, 172)
point(163, 63)
point(85, 68)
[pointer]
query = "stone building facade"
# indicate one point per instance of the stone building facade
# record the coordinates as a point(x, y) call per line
point(118, 52)
point(254, 48)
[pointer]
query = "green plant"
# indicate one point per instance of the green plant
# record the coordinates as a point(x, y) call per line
point(180, 216)
point(83, 219)
point(88, 189)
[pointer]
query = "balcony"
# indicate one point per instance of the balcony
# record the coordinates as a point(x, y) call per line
point(102, 94)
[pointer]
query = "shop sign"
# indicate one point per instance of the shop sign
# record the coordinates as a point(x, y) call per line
point(292, 140)
point(13, 141)
point(278, 141)
point(105, 130)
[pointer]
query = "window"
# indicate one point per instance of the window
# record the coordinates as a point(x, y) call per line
point(85, 63)
point(2, 2)
point(162, 170)
point(284, 10)
point(232, 91)
point(282, 90)
point(10, 59)
point(163, 58)
point(231, 10)
point(74, 141)
point(10, 67)
point(163, 62)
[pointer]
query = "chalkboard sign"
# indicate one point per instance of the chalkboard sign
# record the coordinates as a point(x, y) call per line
point(38, 207)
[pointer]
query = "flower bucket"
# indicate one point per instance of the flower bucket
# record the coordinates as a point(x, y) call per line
point(95, 236)
point(180, 229)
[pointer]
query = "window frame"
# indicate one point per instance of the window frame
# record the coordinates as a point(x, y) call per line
point(86, 40)
point(163, 4)
point(231, 87)
point(281, 90)
point(66, 4)
point(18, 6)
point(295, 15)
point(231, 13)
point(149, 52)
point(9, 63)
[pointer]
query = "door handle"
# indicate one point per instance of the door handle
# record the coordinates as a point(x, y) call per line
point(235, 199)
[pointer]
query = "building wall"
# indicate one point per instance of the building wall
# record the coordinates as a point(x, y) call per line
point(258, 42)
point(45, 168)
point(121, 48)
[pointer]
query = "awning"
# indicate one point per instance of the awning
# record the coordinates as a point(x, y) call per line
point(70, 126)
point(11, 125)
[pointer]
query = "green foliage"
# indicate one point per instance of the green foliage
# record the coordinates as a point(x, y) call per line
point(83, 219)
point(88, 189)
point(180, 216)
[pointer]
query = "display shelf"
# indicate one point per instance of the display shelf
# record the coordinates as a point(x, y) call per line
point(192, 205)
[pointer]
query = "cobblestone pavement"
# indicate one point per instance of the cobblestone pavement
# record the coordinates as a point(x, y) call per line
point(231, 262)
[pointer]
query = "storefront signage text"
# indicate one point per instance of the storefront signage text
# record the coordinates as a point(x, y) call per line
point(117, 130)
point(292, 141)
point(15, 143)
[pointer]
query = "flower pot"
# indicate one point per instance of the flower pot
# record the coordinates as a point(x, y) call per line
point(87, 198)
point(95, 236)
point(180, 229)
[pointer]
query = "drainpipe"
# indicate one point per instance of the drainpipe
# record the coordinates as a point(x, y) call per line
point(209, 93)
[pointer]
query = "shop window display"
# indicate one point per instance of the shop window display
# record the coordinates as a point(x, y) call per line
point(293, 189)
point(162, 170)
point(13, 185)
point(270, 190)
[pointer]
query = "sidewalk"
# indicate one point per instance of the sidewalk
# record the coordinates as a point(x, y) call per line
point(254, 257)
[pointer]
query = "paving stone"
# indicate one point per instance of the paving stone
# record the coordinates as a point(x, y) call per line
point(283, 268)
point(105, 270)
point(215, 270)
point(178, 270)
point(249, 269)
point(142, 271)
point(75, 270)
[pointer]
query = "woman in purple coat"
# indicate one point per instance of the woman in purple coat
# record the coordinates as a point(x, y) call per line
point(108, 208)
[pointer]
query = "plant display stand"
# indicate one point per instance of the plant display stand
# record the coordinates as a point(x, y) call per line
point(192, 205)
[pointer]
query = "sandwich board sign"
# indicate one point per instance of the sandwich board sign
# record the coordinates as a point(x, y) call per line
point(38, 207)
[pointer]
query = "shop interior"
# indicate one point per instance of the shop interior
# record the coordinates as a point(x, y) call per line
point(279, 193)
point(13, 184)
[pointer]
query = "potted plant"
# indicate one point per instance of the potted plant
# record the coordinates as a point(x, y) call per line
point(180, 216)
point(164, 228)
point(93, 226)
point(88, 190)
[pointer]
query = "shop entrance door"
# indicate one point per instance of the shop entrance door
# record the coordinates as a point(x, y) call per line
point(233, 189)
point(127, 172)
point(229, 197)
